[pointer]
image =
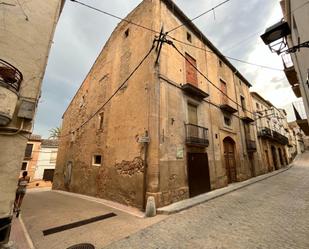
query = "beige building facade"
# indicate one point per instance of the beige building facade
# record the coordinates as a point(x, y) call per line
point(170, 132)
point(26, 38)
point(273, 133)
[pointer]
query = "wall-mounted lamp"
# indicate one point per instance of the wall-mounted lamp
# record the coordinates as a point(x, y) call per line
point(275, 37)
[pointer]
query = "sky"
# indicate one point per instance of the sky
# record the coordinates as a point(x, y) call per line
point(234, 28)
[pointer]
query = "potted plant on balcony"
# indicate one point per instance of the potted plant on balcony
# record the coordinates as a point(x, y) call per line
point(8, 74)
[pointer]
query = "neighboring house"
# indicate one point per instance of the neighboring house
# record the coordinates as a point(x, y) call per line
point(45, 167)
point(297, 139)
point(31, 156)
point(26, 36)
point(296, 64)
point(169, 132)
point(273, 133)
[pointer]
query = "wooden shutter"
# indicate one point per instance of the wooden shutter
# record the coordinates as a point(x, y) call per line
point(191, 73)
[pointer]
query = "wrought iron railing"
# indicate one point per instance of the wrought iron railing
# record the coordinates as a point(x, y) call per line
point(196, 135)
point(10, 76)
point(274, 135)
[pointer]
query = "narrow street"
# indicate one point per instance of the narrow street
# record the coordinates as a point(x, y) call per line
point(273, 213)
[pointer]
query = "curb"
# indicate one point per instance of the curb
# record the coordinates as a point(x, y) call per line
point(188, 203)
point(29, 240)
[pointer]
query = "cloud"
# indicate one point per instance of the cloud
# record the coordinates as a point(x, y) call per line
point(234, 28)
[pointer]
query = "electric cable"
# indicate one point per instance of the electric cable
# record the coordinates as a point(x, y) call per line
point(228, 57)
point(204, 13)
point(117, 17)
point(115, 92)
point(173, 45)
point(157, 32)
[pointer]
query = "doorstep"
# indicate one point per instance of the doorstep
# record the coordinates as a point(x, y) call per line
point(188, 203)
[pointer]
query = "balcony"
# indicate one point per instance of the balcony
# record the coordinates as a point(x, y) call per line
point(289, 70)
point(10, 77)
point(279, 138)
point(227, 107)
point(265, 133)
point(196, 135)
point(251, 145)
point(273, 135)
point(194, 91)
point(247, 117)
point(296, 90)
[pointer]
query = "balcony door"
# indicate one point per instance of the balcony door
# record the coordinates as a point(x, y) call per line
point(198, 174)
point(223, 87)
point(192, 119)
point(191, 73)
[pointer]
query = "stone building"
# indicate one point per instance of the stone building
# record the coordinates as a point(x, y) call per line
point(273, 130)
point(26, 33)
point(169, 132)
point(296, 64)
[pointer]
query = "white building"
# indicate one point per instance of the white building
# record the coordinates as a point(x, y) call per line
point(47, 161)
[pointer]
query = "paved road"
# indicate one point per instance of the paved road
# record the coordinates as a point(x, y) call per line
point(272, 214)
point(48, 209)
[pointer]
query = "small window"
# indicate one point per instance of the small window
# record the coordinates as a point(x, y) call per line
point(126, 33)
point(97, 160)
point(243, 103)
point(24, 166)
point(227, 120)
point(28, 152)
point(189, 37)
point(257, 106)
point(101, 121)
point(220, 63)
point(239, 82)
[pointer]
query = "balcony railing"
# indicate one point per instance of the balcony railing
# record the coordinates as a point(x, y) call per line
point(251, 145)
point(10, 76)
point(273, 135)
point(196, 135)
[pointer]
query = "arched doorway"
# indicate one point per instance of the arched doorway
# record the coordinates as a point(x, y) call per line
point(229, 158)
point(274, 156)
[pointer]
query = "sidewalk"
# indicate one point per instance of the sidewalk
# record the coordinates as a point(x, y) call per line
point(19, 235)
point(188, 203)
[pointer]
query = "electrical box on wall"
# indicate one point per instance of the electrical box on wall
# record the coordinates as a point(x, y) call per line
point(27, 109)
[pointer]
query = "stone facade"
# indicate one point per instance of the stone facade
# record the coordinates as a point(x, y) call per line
point(169, 132)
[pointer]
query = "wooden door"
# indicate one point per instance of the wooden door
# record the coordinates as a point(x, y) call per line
point(230, 162)
point(191, 73)
point(198, 174)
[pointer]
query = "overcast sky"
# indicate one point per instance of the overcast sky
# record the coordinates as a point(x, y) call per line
point(234, 28)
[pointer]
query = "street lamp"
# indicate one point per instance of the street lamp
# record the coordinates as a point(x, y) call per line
point(275, 36)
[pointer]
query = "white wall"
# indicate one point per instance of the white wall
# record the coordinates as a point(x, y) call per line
point(47, 160)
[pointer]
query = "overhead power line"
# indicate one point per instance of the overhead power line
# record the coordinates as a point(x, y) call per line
point(204, 13)
point(229, 57)
point(115, 92)
point(204, 76)
point(117, 17)
point(157, 32)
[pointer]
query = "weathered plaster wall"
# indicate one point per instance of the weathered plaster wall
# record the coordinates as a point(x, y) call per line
point(25, 43)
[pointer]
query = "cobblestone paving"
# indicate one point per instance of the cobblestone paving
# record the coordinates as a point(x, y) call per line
point(272, 214)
